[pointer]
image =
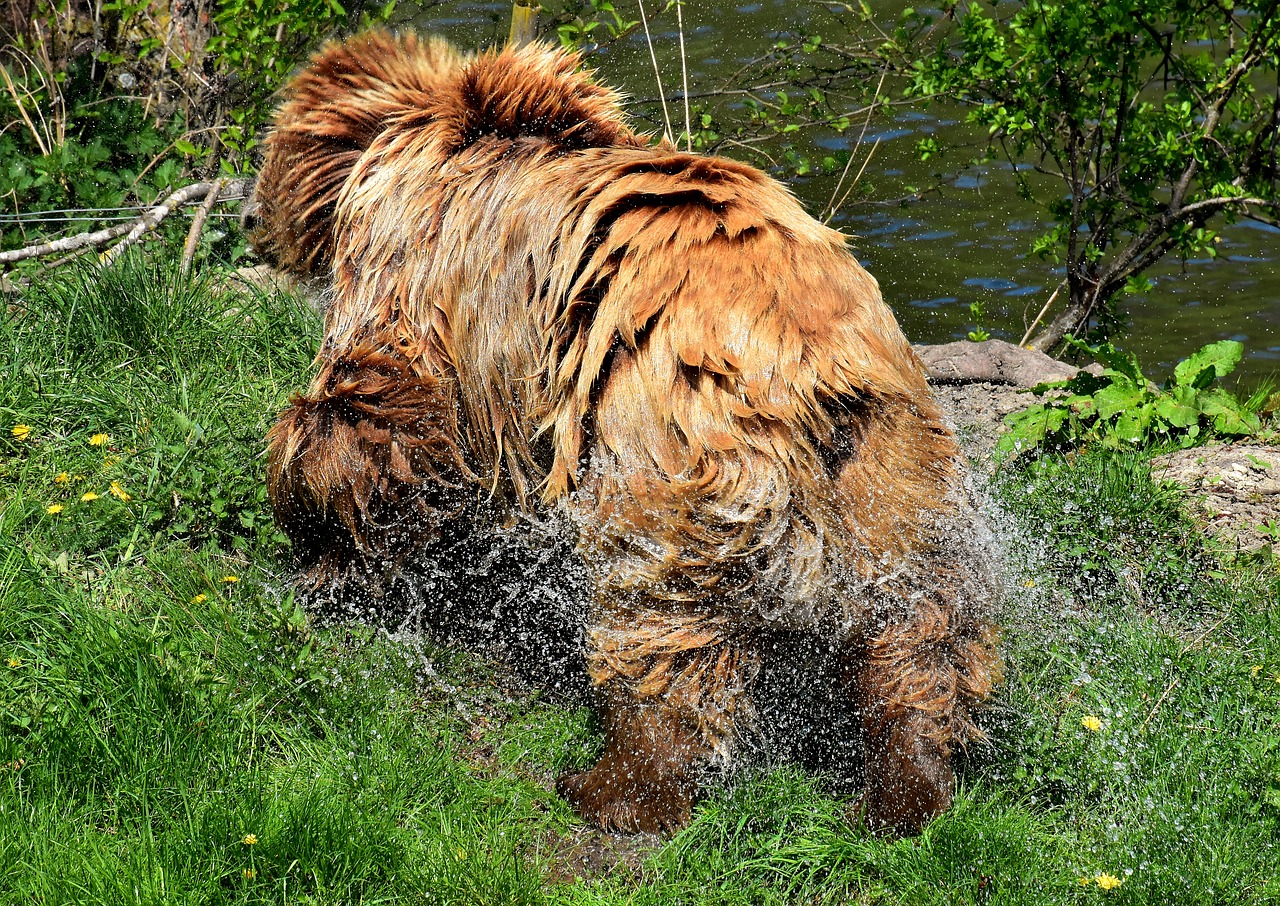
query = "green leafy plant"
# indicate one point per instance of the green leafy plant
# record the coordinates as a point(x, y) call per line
point(576, 22)
point(979, 311)
point(1120, 407)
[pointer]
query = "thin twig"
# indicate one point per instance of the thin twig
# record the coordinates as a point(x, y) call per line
point(228, 190)
point(197, 224)
point(684, 77)
point(1156, 707)
point(150, 220)
point(1204, 635)
point(653, 57)
point(1044, 311)
point(856, 179)
point(832, 207)
point(66, 244)
point(22, 111)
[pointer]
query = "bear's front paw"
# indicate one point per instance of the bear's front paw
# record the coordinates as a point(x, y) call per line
point(630, 797)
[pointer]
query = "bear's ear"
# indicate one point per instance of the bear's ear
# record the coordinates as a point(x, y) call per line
point(533, 91)
point(332, 111)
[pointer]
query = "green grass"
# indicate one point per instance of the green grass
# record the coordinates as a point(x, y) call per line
point(153, 715)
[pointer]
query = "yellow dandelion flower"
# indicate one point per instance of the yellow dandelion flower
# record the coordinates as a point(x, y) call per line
point(250, 839)
point(53, 509)
point(119, 492)
point(1108, 882)
point(61, 478)
point(200, 598)
point(14, 662)
point(250, 874)
point(88, 495)
point(21, 432)
point(99, 439)
point(230, 579)
point(1030, 583)
point(1091, 723)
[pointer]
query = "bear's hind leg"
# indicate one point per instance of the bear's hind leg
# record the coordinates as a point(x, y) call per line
point(671, 693)
point(927, 658)
point(916, 685)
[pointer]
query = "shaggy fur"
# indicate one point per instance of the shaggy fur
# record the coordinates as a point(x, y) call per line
point(533, 305)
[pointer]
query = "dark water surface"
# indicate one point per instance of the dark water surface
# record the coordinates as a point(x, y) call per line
point(968, 243)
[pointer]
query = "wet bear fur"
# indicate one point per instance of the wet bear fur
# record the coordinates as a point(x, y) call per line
point(536, 311)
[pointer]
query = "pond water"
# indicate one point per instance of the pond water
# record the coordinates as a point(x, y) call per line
point(965, 244)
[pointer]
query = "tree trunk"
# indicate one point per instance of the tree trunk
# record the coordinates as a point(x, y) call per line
point(524, 23)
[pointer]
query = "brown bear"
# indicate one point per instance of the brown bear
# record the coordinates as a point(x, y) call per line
point(534, 305)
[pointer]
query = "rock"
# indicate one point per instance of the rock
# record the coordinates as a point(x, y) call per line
point(978, 384)
point(265, 278)
point(261, 276)
point(991, 362)
point(1234, 488)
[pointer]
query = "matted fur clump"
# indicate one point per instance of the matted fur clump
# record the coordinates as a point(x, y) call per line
point(534, 306)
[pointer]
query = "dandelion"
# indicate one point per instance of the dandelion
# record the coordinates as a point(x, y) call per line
point(99, 439)
point(229, 580)
point(1108, 882)
point(1091, 723)
point(109, 461)
point(88, 495)
point(1255, 669)
point(200, 598)
point(1030, 583)
point(53, 509)
point(250, 874)
point(14, 662)
point(61, 478)
point(21, 432)
point(250, 839)
point(119, 492)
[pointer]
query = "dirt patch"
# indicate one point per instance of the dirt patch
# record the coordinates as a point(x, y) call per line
point(977, 412)
point(591, 854)
point(1234, 489)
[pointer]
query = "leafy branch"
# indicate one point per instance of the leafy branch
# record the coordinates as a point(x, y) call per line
point(1141, 122)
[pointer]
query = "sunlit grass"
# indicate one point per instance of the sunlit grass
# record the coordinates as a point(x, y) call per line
point(172, 729)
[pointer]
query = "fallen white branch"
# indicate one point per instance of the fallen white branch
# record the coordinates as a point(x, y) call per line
point(197, 224)
point(218, 189)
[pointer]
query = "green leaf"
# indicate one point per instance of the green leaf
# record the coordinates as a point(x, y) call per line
point(1177, 412)
point(1222, 357)
point(1132, 425)
point(1119, 397)
point(1118, 364)
point(1029, 428)
point(1228, 414)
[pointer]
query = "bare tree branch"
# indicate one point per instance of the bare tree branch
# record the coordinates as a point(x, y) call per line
point(221, 190)
point(198, 221)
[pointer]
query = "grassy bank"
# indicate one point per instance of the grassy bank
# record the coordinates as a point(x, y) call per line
point(172, 730)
